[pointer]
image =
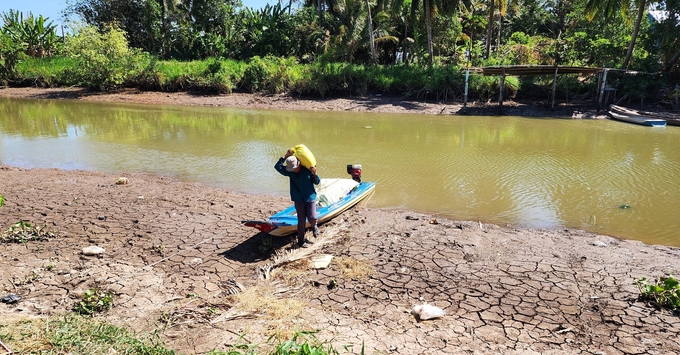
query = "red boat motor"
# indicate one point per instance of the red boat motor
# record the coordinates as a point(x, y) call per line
point(355, 171)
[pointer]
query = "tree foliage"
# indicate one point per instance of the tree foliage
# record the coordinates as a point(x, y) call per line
point(35, 35)
point(102, 59)
point(565, 32)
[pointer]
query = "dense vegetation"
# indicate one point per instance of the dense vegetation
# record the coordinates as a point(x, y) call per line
point(340, 47)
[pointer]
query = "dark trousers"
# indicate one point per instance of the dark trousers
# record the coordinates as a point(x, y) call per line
point(306, 211)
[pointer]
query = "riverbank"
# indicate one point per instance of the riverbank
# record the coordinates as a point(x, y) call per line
point(176, 253)
point(382, 104)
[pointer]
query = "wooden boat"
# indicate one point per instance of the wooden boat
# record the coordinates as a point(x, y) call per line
point(624, 114)
point(670, 118)
point(334, 196)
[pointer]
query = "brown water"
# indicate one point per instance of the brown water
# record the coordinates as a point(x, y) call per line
point(524, 172)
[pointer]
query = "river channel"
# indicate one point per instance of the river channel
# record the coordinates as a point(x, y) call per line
point(599, 175)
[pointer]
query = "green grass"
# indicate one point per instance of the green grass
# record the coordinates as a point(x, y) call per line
point(76, 335)
point(274, 75)
point(23, 232)
point(44, 72)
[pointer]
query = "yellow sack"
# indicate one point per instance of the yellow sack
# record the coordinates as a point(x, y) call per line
point(304, 155)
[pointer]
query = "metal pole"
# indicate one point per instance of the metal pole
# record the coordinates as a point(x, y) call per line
point(467, 75)
point(500, 95)
point(554, 87)
point(604, 83)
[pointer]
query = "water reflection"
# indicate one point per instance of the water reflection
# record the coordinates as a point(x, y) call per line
point(540, 173)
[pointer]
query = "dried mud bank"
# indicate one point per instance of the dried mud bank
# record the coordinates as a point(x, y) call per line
point(378, 104)
point(509, 291)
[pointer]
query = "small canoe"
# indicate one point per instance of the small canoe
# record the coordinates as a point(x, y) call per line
point(334, 196)
point(672, 119)
point(623, 114)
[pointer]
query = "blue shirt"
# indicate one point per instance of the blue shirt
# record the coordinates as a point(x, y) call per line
point(301, 183)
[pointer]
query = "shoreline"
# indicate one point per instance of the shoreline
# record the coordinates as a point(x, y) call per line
point(378, 104)
point(174, 246)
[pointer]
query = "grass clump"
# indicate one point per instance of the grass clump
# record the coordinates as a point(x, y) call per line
point(662, 292)
point(75, 335)
point(300, 343)
point(23, 232)
point(261, 300)
point(304, 343)
point(94, 301)
point(354, 269)
point(2, 200)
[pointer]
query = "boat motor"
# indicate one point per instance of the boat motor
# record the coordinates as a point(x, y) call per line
point(355, 171)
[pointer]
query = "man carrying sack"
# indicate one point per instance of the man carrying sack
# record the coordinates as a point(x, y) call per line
point(302, 193)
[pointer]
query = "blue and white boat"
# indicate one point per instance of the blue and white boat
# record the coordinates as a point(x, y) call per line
point(623, 114)
point(334, 196)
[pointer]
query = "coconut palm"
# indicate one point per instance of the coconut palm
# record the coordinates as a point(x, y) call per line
point(502, 6)
point(607, 9)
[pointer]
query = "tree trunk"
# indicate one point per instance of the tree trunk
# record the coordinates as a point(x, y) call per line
point(641, 10)
point(428, 19)
point(406, 47)
point(500, 28)
point(370, 32)
point(672, 62)
point(489, 28)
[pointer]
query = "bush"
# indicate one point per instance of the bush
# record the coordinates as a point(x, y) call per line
point(270, 75)
point(102, 60)
point(10, 52)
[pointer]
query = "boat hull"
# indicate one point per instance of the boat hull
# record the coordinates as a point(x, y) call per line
point(285, 222)
point(631, 116)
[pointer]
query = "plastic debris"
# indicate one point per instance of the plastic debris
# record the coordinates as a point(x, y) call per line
point(426, 311)
point(93, 250)
point(10, 298)
point(321, 261)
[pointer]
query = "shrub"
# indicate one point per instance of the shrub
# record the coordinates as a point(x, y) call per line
point(102, 60)
point(270, 75)
point(10, 52)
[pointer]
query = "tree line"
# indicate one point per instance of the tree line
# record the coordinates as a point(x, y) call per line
point(372, 35)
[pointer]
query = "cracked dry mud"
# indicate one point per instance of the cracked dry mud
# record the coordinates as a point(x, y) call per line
point(509, 291)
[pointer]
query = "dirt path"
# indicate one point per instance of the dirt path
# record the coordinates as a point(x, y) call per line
point(175, 252)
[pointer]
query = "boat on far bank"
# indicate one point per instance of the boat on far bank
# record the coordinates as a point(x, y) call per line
point(624, 114)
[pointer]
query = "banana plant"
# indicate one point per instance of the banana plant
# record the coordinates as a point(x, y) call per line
point(35, 33)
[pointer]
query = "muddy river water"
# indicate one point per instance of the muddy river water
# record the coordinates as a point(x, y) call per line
point(598, 175)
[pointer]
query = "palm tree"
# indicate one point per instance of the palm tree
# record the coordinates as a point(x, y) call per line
point(371, 39)
point(610, 8)
point(502, 6)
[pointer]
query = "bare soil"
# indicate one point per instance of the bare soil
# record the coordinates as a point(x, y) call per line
point(176, 253)
point(384, 104)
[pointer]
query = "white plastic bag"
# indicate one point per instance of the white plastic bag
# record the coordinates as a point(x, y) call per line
point(426, 311)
